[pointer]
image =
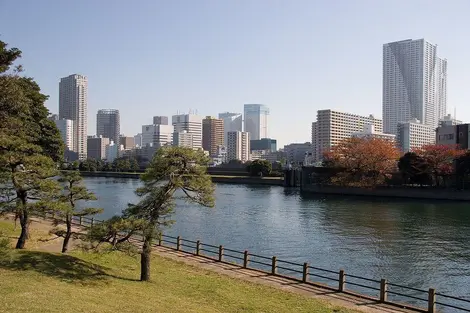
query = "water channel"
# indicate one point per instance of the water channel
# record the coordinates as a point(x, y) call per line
point(420, 244)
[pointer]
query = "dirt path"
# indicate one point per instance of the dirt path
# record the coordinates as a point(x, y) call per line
point(333, 297)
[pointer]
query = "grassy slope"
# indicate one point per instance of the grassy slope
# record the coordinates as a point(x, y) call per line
point(36, 281)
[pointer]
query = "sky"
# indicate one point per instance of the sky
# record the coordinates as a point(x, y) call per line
point(150, 57)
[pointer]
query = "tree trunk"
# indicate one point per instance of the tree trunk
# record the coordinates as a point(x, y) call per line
point(145, 259)
point(24, 222)
point(68, 233)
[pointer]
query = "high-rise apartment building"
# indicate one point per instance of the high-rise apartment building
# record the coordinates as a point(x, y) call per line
point(256, 120)
point(157, 135)
point(414, 84)
point(233, 122)
point(108, 124)
point(160, 120)
point(414, 134)
point(66, 132)
point(190, 123)
point(238, 147)
point(73, 102)
point(212, 134)
point(96, 147)
point(333, 126)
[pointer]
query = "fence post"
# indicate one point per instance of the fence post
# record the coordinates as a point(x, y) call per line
point(178, 243)
point(80, 220)
point(198, 247)
point(245, 259)
point(342, 280)
point(383, 290)
point(160, 240)
point(92, 221)
point(305, 273)
point(274, 266)
point(221, 253)
point(432, 300)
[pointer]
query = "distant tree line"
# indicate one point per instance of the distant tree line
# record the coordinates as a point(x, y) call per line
point(122, 164)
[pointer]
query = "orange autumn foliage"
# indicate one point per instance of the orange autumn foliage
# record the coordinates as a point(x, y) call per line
point(366, 162)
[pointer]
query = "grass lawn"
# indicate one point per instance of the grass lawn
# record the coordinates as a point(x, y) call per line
point(37, 281)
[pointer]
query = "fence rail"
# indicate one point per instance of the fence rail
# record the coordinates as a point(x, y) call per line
point(342, 281)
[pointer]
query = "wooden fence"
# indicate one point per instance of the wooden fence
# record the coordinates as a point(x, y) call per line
point(379, 290)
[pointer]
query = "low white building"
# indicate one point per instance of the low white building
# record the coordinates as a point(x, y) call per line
point(413, 134)
point(369, 132)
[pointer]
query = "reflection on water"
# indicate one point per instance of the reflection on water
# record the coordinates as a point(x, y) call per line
point(415, 243)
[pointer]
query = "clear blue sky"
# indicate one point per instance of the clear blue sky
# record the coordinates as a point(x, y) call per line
point(154, 57)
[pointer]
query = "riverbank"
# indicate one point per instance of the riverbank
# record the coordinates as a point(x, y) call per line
point(223, 179)
point(89, 282)
point(391, 192)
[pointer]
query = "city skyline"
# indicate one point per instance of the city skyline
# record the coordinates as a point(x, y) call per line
point(246, 52)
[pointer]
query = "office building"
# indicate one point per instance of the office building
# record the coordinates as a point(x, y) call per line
point(157, 135)
point(448, 120)
point(127, 142)
point(369, 132)
point(266, 144)
point(138, 140)
point(414, 84)
point(66, 132)
point(160, 120)
point(112, 151)
point(453, 135)
point(238, 146)
point(190, 123)
point(414, 134)
point(108, 124)
point(295, 152)
point(73, 102)
point(212, 134)
point(256, 120)
point(96, 147)
point(233, 122)
point(183, 139)
point(332, 127)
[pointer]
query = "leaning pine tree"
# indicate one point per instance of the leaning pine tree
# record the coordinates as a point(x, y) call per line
point(174, 173)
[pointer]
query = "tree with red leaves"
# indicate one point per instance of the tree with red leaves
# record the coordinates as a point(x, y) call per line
point(366, 162)
point(440, 159)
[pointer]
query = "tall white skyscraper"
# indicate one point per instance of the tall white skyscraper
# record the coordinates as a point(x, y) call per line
point(66, 131)
point(233, 122)
point(73, 91)
point(414, 84)
point(190, 123)
point(256, 120)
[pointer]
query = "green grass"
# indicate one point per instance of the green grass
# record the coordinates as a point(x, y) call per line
point(37, 281)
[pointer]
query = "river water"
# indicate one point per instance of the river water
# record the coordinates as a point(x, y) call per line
point(414, 243)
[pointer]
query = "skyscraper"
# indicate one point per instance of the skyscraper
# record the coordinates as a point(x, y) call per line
point(256, 120)
point(160, 120)
point(212, 134)
point(232, 122)
point(108, 124)
point(190, 123)
point(73, 104)
point(414, 84)
point(238, 147)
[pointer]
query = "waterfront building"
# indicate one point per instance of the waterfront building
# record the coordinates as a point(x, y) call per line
point(414, 84)
point(108, 124)
point(190, 123)
point(73, 105)
point(238, 146)
point(295, 152)
point(256, 120)
point(232, 122)
point(157, 135)
point(332, 126)
point(413, 134)
point(96, 147)
point(212, 134)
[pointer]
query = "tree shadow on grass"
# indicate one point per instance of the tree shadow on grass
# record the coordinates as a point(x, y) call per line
point(65, 267)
